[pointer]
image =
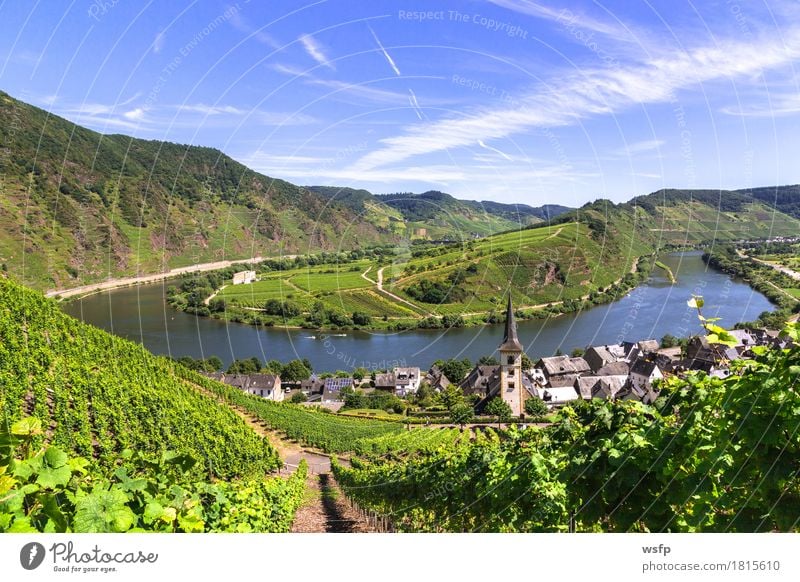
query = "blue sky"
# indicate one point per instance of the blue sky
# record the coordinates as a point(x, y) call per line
point(507, 100)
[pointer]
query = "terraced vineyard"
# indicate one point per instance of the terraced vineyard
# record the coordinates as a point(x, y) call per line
point(329, 432)
point(729, 465)
point(97, 395)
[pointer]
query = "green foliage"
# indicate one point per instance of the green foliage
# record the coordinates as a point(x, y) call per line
point(298, 398)
point(329, 432)
point(715, 455)
point(500, 409)
point(535, 408)
point(295, 371)
point(455, 370)
point(50, 492)
point(98, 394)
point(461, 413)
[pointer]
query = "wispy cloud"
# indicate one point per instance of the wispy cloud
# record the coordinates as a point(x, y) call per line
point(314, 50)
point(414, 103)
point(570, 98)
point(158, 42)
point(639, 147)
point(776, 106)
point(385, 54)
point(242, 25)
point(566, 17)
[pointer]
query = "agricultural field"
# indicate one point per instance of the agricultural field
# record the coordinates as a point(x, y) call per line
point(555, 266)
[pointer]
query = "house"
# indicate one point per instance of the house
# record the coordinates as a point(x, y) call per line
point(385, 381)
point(240, 381)
point(643, 373)
point(599, 356)
point(703, 355)
point(605, 387)
point(436, 379)
point(481, 381)
point(635, 350)
point(333, 387)
point(244, 277)
point(562, 370)
point(406, 380)
point(266, 386)
point(559, 396)
point(614, 369)
point(312, 386)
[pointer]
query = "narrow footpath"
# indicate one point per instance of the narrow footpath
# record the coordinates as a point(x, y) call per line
point(325, 508)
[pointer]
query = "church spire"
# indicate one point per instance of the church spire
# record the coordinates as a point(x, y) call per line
point(510, 339)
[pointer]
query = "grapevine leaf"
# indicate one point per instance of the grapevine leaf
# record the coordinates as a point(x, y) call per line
point(29, 426)
point(103, 511)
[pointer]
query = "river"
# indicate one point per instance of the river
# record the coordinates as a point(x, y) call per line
point(652, 310)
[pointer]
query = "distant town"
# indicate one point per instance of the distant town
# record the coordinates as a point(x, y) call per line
point(629, 370)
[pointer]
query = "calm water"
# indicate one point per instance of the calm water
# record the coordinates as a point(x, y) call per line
point(650, 311)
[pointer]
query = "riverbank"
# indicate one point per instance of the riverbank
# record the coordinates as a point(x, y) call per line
point(122, 282)
point(285, 314)
point(653, 309)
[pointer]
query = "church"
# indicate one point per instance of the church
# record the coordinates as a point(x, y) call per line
point(506, 380)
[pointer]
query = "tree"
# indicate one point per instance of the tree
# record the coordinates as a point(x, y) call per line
point(455, 370)
point(275, 367)
point(527, 363)
point(669, 341)
point(360, 318)
point(452, 396)
point(577, 353)
point(499, 408)
point(461, 414)
point(295, 371)
point(298, 398)
point(248, 366)
point(488, 361)
point(535, 408)
point(360, 373)
point(214, 363)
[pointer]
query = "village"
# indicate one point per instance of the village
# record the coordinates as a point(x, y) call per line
point(621, 371)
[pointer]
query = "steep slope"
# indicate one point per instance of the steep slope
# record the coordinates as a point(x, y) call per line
point(78, 206)
point(97, 394)
point(692, 216)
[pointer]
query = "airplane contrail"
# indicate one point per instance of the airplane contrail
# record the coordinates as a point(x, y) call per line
point(383, 50)
point(495, 150)
point(415, 104)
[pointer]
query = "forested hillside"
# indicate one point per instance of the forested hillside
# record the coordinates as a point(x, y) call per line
point(78, 206)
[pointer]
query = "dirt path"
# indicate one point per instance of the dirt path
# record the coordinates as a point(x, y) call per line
point(397, 297)
point(326, 510)
point(128, 281)
point(364, 275)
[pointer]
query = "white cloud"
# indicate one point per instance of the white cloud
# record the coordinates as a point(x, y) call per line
point(640, 147)
point(565, 17)
point(314, 50)
point(239, 23)
point(776, 106)
point(134, 114)
point(158, 42)
point(570, 98)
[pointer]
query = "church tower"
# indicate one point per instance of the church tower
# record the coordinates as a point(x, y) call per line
point(511, 364)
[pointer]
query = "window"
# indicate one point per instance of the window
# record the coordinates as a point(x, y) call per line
point(511, 385)
point(510, 360)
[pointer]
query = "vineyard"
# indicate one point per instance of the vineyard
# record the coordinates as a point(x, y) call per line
point(326, 431)
point(97, 395)
point(47, 491)
point(712, 455)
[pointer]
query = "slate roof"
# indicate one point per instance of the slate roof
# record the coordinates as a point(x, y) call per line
point(262, 381)
point(614, 369)
point(510, 340)
point(559, 365)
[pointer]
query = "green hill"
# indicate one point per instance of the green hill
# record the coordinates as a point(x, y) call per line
point(97, 394)
point(78, 206)
point(436, 215)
